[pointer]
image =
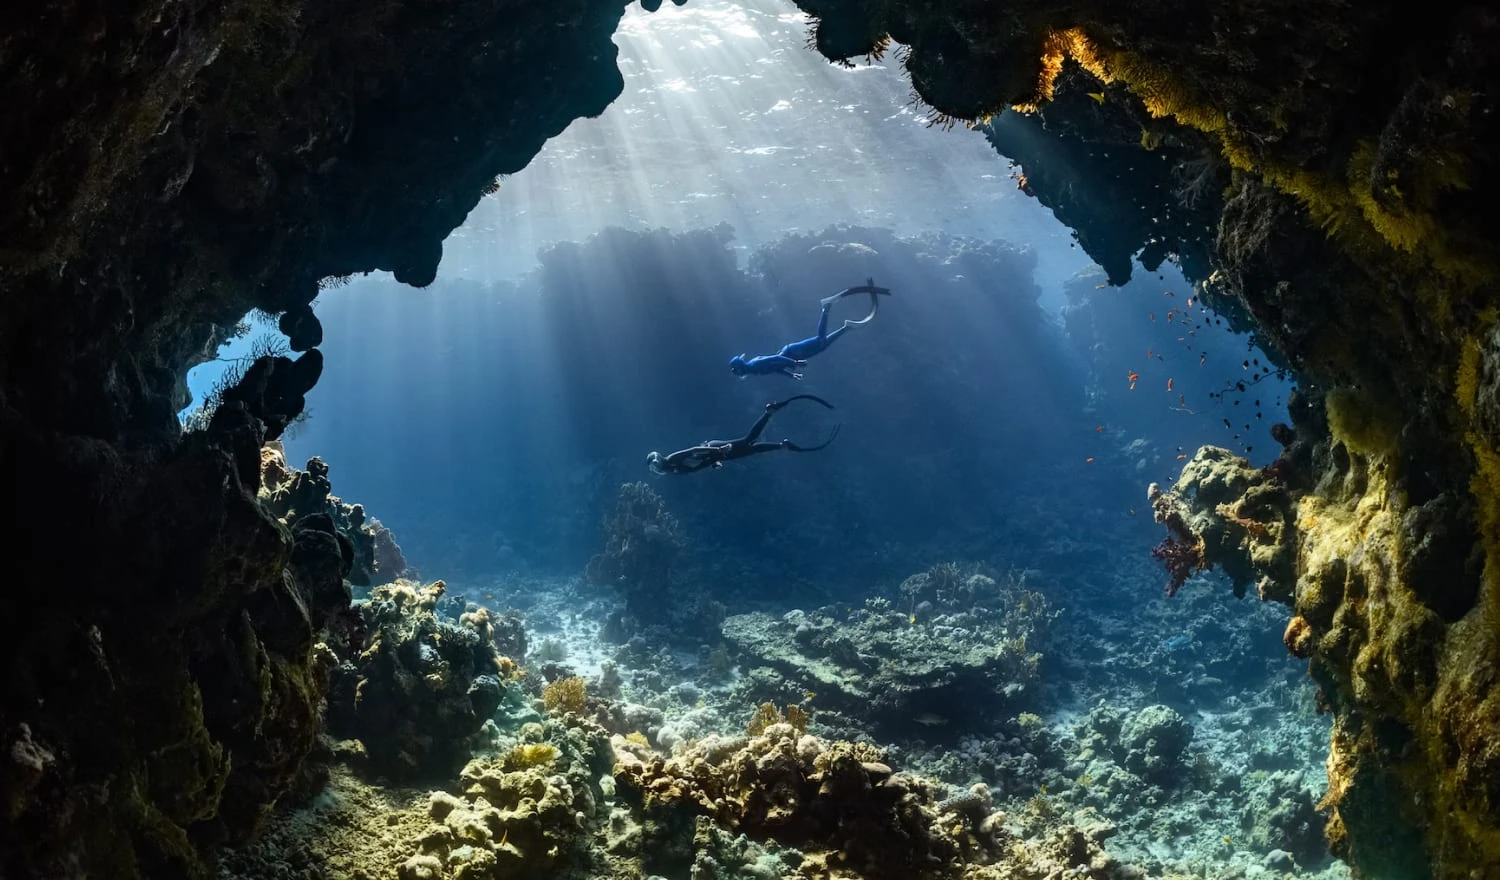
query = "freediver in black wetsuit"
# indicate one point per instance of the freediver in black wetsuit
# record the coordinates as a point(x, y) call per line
point(713, 453)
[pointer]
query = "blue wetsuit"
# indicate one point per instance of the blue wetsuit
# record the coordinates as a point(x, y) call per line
point(796, 354)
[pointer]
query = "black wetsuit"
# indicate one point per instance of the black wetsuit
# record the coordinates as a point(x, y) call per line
point(714, 453)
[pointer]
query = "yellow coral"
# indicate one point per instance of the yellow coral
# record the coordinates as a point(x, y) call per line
point(564, 695)
point(1485, 484)
point(766, 714)
point(528, 755)
point(1344, 205)
point(1361, 424)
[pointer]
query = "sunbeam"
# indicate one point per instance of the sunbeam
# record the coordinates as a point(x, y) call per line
point(727, 116)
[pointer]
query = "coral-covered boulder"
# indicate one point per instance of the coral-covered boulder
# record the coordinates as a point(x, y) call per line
point(422, 688)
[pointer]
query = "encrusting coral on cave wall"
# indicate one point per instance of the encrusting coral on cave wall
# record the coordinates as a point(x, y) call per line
point(1357, 148)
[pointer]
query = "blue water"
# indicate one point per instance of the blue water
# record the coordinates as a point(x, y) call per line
point(490, 425)
point(1006, 407)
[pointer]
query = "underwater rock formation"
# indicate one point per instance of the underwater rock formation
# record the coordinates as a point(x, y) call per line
point(641, 543)
point(531, 810)
point(168, 167)
point(292, 495)
point(1384, 592)
point(1223, 512)
point(421, 689)
point(163, 681)
point(1360, 147)
point(1125, 182)
point(528, 813)
point(963, 649)
point(844, 809)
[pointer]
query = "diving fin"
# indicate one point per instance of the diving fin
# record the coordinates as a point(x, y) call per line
point(868, 287)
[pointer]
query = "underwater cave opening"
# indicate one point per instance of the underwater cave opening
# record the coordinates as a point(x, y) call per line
point(1005, 409)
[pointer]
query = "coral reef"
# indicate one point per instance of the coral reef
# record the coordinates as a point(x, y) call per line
point(843, 808)
point(1360, 163)
point(954, 659)
point(291, 495)
point(1223, 512)
point(170, 166)
point(641, 543)
point(528, 814)
point(419, 693)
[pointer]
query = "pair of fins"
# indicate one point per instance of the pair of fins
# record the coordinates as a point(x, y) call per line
point(869, 288)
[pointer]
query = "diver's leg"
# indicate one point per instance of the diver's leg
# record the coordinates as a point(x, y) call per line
point(760, 425)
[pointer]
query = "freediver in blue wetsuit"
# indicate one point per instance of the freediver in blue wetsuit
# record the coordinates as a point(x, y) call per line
point(795, 354)
point(713, 453)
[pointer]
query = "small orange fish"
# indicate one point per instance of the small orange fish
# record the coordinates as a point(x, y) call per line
point(1169, 384)
point(1098, 429)
point(1089, 460)
point(1133, 376)
point(1150, 353)
point(1191, 300)
point(1100, 286)
point(1181, 456)
point(1171, 313)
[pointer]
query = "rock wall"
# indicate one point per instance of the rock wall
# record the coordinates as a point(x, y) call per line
point(169, 165)
point(1354, 151)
